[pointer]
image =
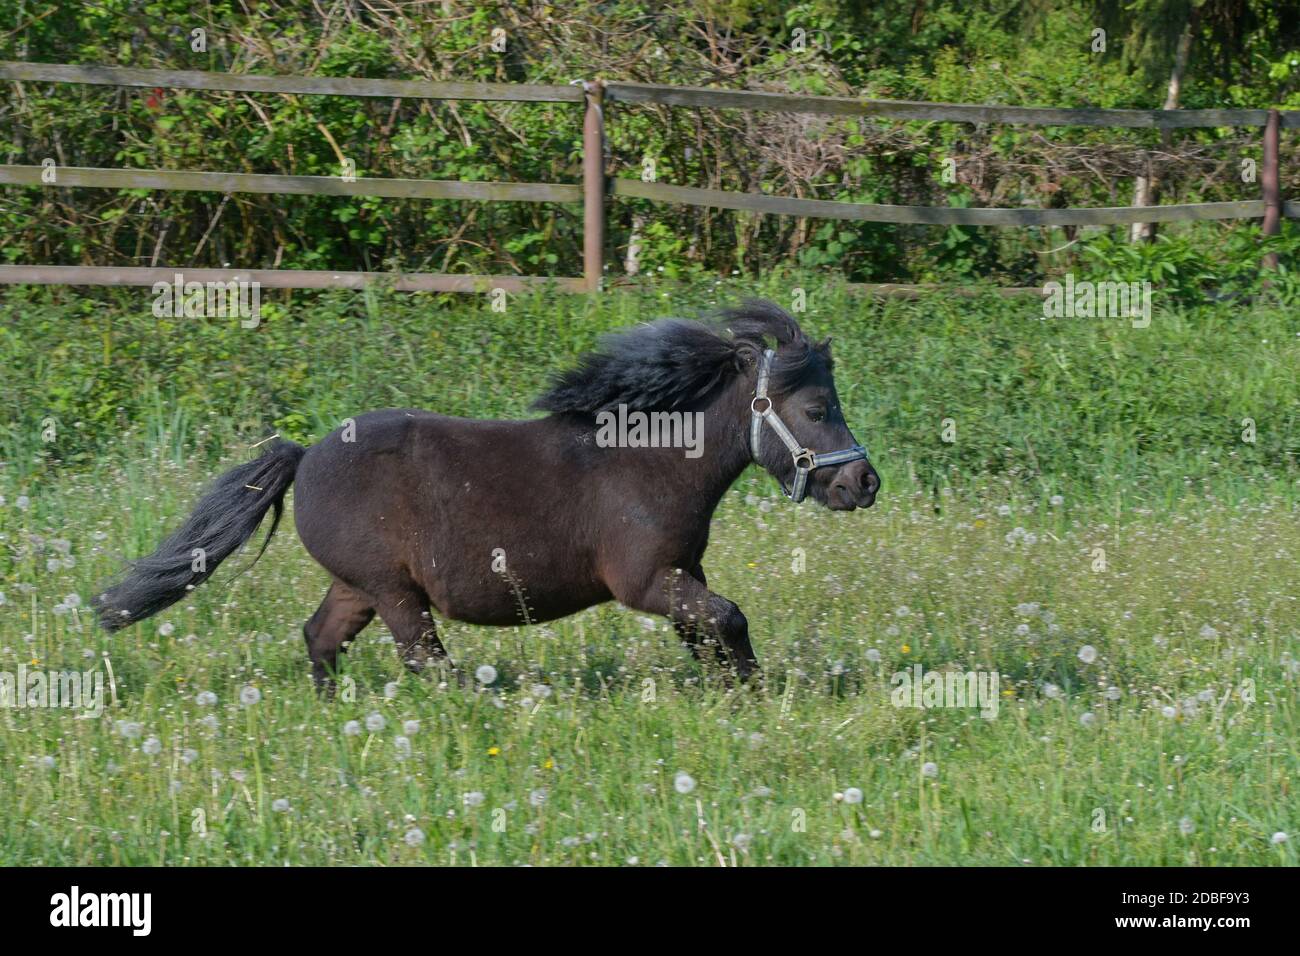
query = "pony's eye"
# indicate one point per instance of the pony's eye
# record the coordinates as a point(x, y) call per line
point(816, 414)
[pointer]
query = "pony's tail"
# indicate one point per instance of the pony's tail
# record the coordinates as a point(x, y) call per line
point(223, 520)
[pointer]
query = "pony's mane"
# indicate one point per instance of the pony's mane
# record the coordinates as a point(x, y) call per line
point(672, 363)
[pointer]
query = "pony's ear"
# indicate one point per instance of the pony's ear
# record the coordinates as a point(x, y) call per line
point(823, 349)
point(745, 356)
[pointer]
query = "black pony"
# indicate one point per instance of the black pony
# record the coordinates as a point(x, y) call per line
point(498, 522)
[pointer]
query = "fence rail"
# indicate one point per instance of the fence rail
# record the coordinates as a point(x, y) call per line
point(310, 85)
point(936, 215)
point(281, 278)
point(189, 181)
point(942, 112)
point(596, 187)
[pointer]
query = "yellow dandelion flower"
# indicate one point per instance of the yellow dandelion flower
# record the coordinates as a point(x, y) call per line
point(494, 751)
point(907, 648)
point(549, 765)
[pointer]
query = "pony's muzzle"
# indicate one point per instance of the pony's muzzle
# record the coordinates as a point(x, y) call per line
point(854, 486)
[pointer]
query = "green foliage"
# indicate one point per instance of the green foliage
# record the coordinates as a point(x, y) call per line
point(1189, 269)
point(950, 50)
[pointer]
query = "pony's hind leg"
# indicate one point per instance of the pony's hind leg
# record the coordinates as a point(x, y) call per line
point(408, 617)
point(340, 617)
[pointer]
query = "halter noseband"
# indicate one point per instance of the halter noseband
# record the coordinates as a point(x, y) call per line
point(805, 461)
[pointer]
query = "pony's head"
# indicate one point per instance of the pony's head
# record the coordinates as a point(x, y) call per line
point(798, 423)
point(756, 353)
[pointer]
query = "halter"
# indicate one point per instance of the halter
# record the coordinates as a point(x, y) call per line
point(805, 461)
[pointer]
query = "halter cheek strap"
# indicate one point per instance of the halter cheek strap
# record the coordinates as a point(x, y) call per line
point(805, 461)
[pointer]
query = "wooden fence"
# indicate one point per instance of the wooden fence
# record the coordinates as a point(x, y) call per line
point(595, 186)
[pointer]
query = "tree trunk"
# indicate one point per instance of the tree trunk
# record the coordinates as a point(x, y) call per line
point(1146, 189)
point(632, 261)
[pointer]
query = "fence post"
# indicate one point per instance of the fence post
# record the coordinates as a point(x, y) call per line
point(1270, 184)
point(593, 185)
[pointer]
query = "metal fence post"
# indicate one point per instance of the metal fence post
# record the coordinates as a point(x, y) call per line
point(593, 185)
point(1270, 185)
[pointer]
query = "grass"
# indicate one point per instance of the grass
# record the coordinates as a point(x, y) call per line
point(1062, 405)
point(1175, 563)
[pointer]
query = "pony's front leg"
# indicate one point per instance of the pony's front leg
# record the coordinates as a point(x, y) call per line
point(697, 614)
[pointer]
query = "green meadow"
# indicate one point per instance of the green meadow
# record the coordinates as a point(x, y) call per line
point(1103, 516)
